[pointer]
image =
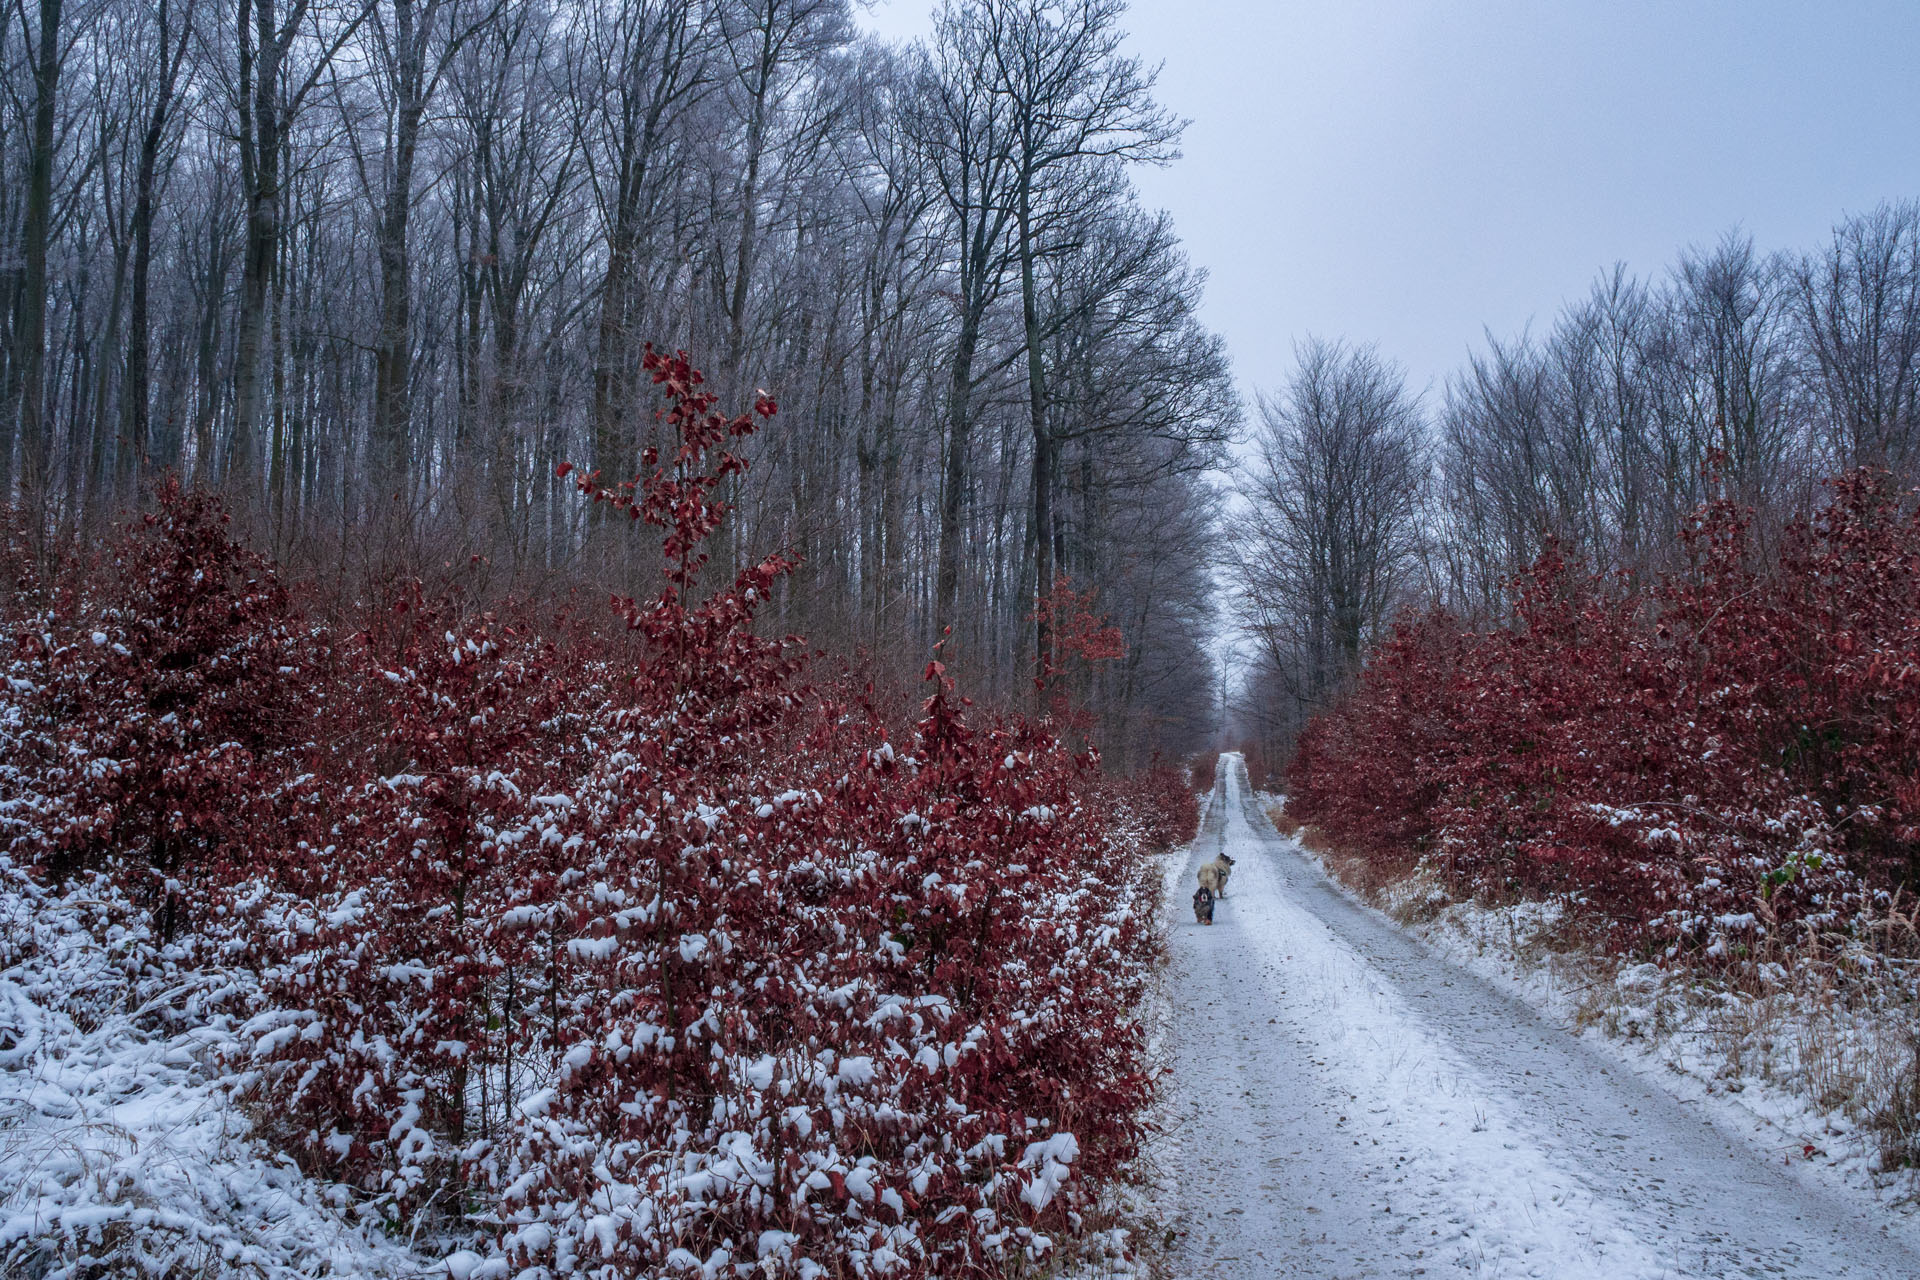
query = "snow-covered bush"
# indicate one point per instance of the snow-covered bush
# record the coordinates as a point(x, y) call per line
point(1155, 808)
point(1694, 765)
point(121, 1153)
point(146, 699)
point(634, 954)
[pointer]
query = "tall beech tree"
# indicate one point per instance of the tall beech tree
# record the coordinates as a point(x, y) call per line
point(1071, 98)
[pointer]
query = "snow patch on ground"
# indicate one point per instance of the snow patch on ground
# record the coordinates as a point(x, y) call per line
point(121, 1151)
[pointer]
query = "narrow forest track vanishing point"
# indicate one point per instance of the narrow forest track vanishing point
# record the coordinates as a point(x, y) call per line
point(1346, 1103)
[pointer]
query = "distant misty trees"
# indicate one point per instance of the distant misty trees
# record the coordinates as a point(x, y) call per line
point(1737, 373)
point(1334, 491)
point(374, 267)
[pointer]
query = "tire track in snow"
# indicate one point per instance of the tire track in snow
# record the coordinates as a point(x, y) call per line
point(1347, 1104)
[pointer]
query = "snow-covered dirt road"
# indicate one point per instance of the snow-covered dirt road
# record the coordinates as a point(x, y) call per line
point(1345, 1103)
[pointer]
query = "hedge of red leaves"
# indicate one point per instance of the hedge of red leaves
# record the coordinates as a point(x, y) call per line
point(637, 953)
point(1696, 764)
point(1157, 807)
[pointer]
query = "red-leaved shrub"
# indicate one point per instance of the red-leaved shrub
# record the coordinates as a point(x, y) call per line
point(144, 702)
point(1204, 771)
point(1692, 765)
point(631, 952)
point(1157, 806)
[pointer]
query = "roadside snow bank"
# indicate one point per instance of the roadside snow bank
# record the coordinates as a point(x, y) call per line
point(1818, 1060)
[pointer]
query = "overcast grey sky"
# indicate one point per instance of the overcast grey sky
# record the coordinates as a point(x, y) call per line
point(1409, 173)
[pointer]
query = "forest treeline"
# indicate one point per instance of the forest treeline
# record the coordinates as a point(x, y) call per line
point(1736, 377)
point(373, 268)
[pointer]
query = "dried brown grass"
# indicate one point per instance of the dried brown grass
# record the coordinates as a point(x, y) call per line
point(1375, 881)
point(1832, 1019)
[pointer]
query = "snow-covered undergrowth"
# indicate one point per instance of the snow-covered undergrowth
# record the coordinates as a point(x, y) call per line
point(541, 948)
point(1703, 763)
point(128, 1146)
point(121, 1151)
point(1813, 1054)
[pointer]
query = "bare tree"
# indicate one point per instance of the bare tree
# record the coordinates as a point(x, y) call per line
point(1072, 97)
point(964, 128)
point(1859, 303)
point(269, 89)
point(1334, 494)
point(171, 34)
point(412, 44)
point(770, 44)
point(1730, 370)
point(898, 267)
point(444, 279)
point(514, 194)
point(46, 43)
point(642, 66)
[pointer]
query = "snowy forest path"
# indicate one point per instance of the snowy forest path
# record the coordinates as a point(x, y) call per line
point(1346, 1103)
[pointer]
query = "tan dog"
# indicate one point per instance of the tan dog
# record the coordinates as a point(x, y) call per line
point(1213, 875)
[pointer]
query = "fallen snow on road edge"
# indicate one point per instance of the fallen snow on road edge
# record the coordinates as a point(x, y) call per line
point(1733, 1056)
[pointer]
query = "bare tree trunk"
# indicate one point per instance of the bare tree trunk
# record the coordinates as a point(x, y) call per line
point(207, 354)
point(30, 304)
point(1043, 565)
point(414, 68)
point(104, 467)
point(261, 55)
point(136, 448)
point(955, 476)
point(743, 264)
point(613, 350)
point(265, 103)
point(393, 351)
point(657, 77)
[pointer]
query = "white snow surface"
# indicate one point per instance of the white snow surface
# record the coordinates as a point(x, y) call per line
point(1677, 1031)
point(121, 1151)
point(1347, 1103)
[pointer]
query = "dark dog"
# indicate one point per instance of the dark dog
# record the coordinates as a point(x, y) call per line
point(1203, 905)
